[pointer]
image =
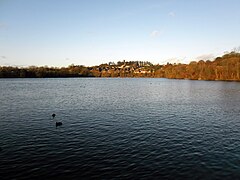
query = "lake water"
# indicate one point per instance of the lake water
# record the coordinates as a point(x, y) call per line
point(119, 129)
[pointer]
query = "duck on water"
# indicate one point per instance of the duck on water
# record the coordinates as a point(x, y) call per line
point(57, 123)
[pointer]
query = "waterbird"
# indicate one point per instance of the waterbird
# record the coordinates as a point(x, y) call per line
point(58, 124)
point(53, 115)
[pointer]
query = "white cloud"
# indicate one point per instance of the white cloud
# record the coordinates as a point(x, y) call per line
point(177, 60)
point(155, 33)
point(172, 14)
point(205, 57)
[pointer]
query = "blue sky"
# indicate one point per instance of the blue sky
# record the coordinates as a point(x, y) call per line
point(91, 32)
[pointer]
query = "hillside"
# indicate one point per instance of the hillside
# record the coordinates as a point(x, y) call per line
point(226, 67)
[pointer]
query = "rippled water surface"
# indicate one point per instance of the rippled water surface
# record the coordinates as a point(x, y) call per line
point(119, 129)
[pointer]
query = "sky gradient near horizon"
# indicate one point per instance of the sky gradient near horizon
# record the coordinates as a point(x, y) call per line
point(91, 32)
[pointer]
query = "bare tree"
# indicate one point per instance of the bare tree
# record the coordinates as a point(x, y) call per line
point(236, 49)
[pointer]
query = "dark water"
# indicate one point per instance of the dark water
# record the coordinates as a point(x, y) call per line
point(119, 129)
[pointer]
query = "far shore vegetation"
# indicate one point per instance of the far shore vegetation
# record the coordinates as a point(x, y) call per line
point(225, 68)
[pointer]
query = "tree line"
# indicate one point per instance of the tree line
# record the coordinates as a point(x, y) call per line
point(226, 67)
point(44, 72)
